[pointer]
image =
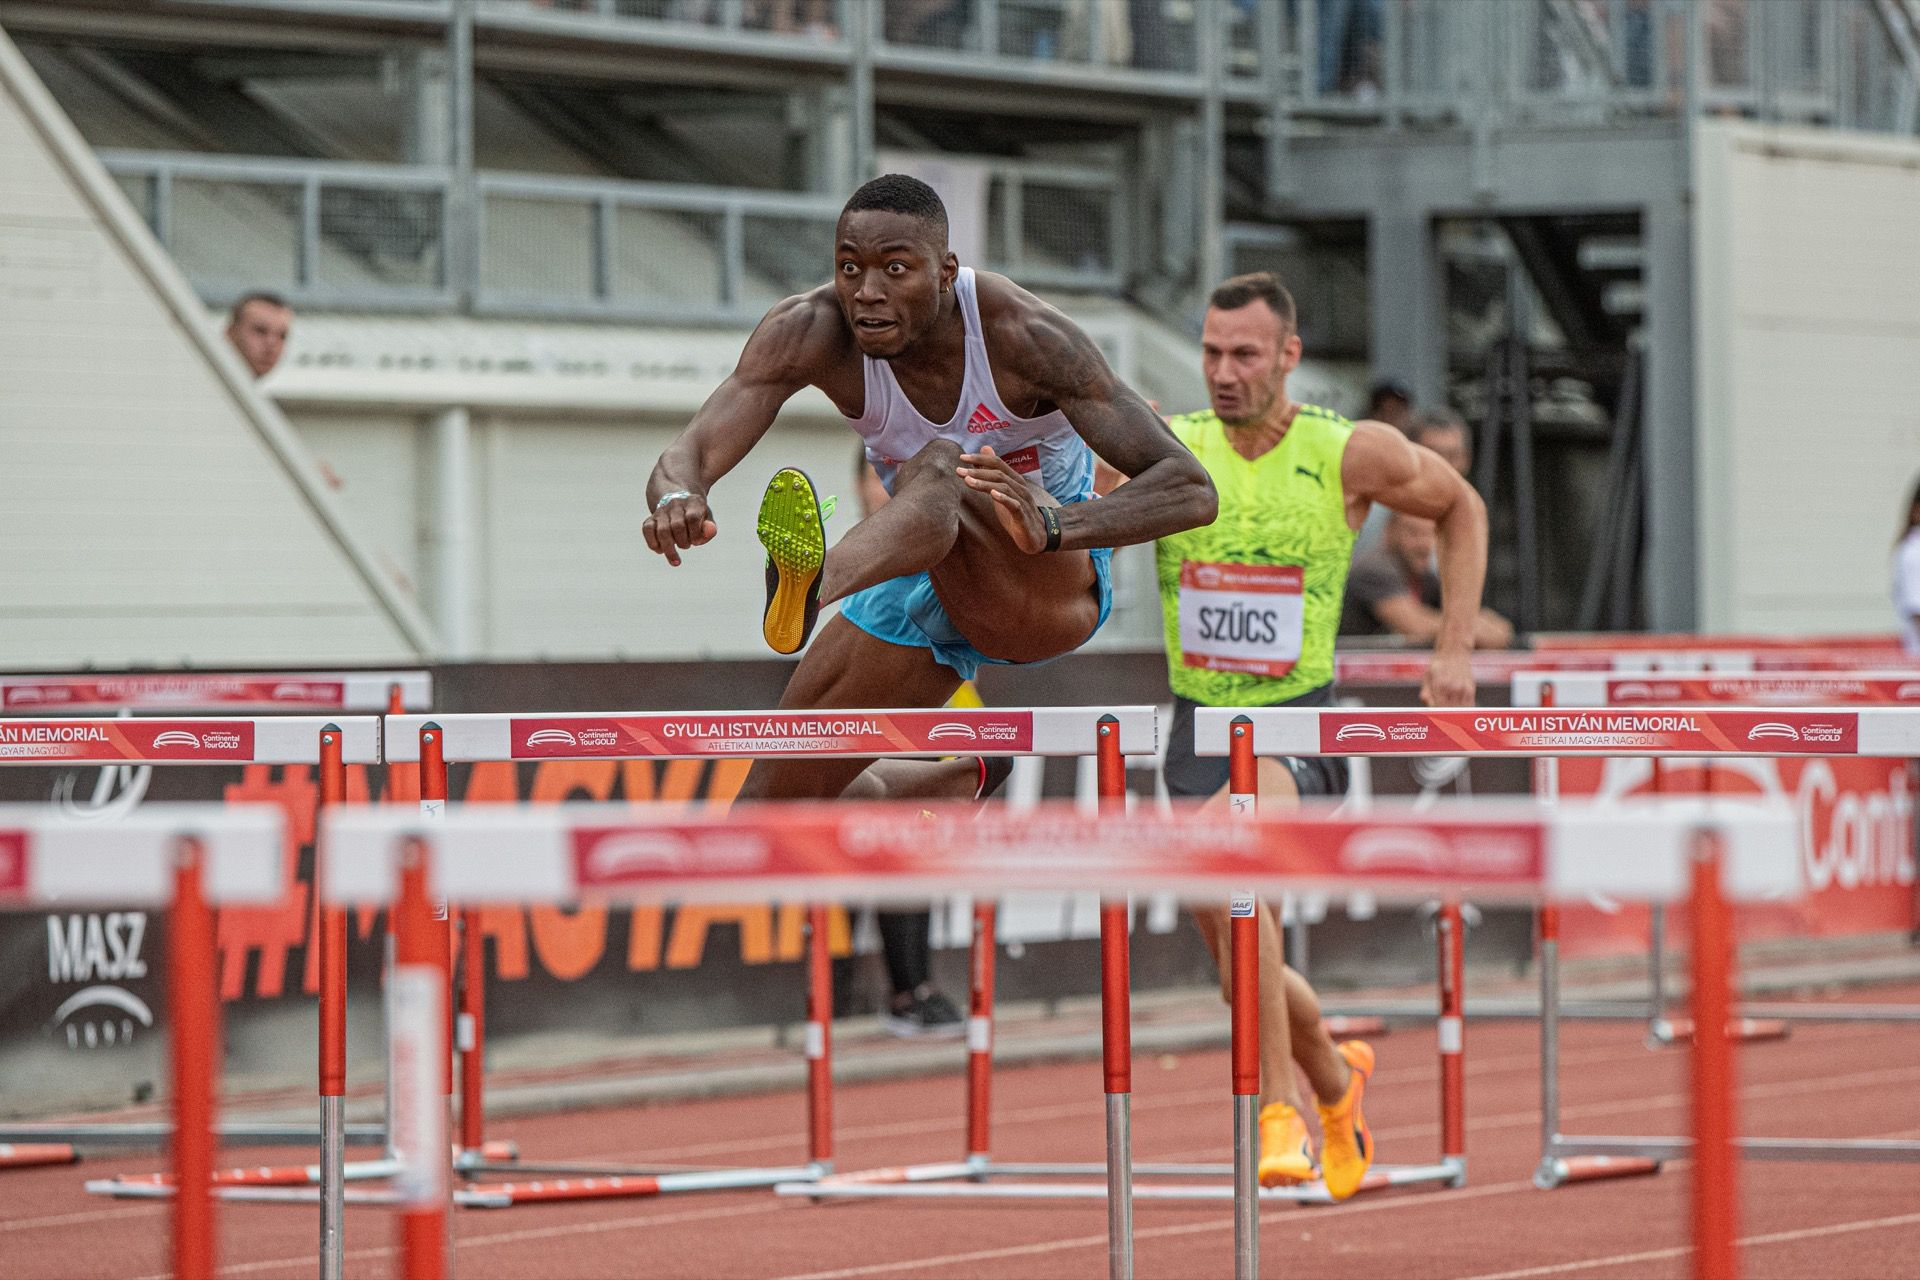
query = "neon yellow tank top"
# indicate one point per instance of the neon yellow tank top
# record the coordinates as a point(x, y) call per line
point(1252, 601)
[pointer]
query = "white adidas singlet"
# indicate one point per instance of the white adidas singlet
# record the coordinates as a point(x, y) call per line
point(894, 430)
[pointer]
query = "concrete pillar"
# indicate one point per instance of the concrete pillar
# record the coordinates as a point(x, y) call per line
point(453, 534)
point(1672, 548)
point(1406, 298)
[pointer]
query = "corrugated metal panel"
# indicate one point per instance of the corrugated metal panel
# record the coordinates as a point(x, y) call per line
point(1808, 315)
point(151, 514)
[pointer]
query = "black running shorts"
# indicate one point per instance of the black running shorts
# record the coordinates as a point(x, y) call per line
point(1189, 775)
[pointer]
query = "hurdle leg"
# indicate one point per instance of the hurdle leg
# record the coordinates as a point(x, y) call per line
point(419, 1061)
point(980, 1036)
point(1243, 949)
point(1452, 1036)
point(1716, 1192)
point(196, 1055)
point(1116, 1026)
point(819, 1044)
point(332, 942)
point(470, 1037)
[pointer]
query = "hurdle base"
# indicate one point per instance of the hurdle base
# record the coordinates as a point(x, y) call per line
point(1559, 1171)
point(489, 1157)
point(505, 1195)
point(158, 1134)
point(1849, 1150)
point(1665, 1032)
point(975, 1180)
point(134, 1185)
point(36, 1155)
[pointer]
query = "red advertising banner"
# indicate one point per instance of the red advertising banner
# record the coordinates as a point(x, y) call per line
point(13, 864)
point(1410, 667)
point(1825, 690)
point(1856, 844)
point(810, 841)
point(178, 692)
point(797, 733)
point(1530, 731)
point(58, 741)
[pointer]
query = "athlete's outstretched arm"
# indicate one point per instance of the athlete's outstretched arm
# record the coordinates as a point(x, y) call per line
point(1167, 490)
point(1384, 466)
point(780, 358)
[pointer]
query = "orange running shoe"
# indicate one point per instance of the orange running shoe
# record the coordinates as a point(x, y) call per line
point(1286, 1149)
point(1346, 1145)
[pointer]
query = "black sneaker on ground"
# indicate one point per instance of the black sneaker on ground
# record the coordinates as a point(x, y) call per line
point(928, 1014)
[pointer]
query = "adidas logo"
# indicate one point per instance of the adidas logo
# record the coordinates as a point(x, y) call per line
point(983, 421)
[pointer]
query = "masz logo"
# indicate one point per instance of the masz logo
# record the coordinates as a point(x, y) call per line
point(87, 948)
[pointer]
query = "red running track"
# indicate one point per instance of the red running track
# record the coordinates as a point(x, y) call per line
point(1799, 1220)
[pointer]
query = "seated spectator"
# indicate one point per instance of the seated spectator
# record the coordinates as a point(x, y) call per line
point(1394, 590)
point(1445, 432)
point(1389, 402)
point(258, 327)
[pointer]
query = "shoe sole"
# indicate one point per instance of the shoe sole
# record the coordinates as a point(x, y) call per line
point(795, 538)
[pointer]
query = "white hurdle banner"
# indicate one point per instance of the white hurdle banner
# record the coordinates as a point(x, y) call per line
point(184, 858)
point(94, 693)
point(178, 740)
point(564, 853)
point(1573, 731)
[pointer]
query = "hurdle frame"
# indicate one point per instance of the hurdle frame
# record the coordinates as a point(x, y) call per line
point(183, 859)
point(1108, 734)
point(1653, 731)
point(587, 853)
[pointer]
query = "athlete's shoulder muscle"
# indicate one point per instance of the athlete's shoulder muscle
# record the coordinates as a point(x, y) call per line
point(1034, 341)
point(801, 340)
point(1377, 458)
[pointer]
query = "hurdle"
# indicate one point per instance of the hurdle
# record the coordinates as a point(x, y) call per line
point(183, 692)
point(1512, 851)
point(185, 858)
point(1656, 731)
point(437, 741)
point(1827, 687)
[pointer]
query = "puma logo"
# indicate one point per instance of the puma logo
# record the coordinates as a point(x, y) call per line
point(1311, 475)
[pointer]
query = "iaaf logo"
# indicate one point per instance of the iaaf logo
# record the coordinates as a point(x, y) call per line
point(176, 738)
point(952, 729)
point(291, 691)
point(20, 697)
point(1632, 690)
point(1904, 693)
point(551, 738)
point(983, 421)
point(1360, 733)
point(1773, 729)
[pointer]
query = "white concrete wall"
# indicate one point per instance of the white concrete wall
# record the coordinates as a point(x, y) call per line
point(1807, 329)
point(156, 508)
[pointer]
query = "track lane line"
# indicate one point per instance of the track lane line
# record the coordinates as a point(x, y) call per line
point(1681, 1251)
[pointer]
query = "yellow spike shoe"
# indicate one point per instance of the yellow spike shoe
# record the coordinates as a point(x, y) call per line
point(792, 528)
point(1346, 1144)
point(1286, 1149)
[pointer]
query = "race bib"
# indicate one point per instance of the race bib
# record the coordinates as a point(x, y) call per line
point(1240, 617)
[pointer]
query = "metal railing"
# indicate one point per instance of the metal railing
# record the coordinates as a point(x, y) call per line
point(1055, 226)
point(1851, 63)
point(642, 250)
point(813, 20)
point(317, 231)
point(1117, 35)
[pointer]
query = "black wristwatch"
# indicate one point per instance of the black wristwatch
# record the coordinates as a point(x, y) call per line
point(1052, 521)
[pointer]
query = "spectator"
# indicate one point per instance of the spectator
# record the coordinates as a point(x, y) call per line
point(1906, 577)
point(258, 327)
point(1395, 591)
point(1389, 402)
point(1445, 432)
point(1350, 34)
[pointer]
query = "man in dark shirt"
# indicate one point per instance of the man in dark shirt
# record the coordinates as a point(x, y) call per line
point(1393, 590)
